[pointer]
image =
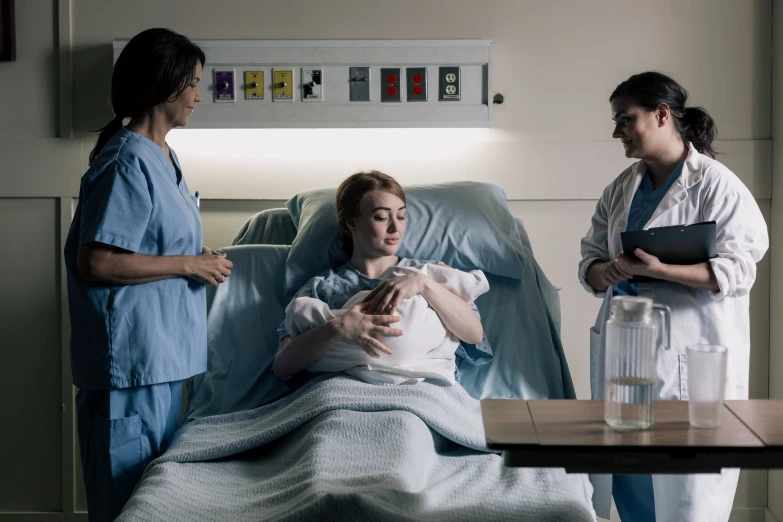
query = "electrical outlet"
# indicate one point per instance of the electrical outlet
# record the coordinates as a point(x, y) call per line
point(282, 85)
point(359, 78)
point(417, 84)
point(224, 85)
point(254, 85)
point(449, 85)
point(390, 84)
point(312, 85)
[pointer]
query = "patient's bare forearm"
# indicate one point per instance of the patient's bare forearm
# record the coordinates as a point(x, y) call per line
point(455, 313)
point(297, 353)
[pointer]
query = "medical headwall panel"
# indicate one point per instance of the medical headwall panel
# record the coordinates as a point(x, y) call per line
point(343, 83)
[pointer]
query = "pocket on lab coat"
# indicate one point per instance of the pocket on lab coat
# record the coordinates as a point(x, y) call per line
point(671, 383)
point(118, 453)
point(597, 364)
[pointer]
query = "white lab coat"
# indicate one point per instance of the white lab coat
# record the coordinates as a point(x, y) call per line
point(705, 191)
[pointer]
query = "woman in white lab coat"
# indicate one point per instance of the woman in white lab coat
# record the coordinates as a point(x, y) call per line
point(675, 183)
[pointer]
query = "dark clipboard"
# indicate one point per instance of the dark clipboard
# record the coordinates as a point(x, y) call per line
point(675, 245)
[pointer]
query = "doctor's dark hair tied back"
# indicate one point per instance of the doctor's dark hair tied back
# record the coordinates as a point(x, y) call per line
point(155, 66)
point(650, 89)
point(350, 196)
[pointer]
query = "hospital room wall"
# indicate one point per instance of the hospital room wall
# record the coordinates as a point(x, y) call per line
point(555, 62)
point(776, 254)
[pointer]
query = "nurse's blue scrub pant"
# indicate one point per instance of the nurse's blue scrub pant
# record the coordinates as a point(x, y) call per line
point(633, 496)
point(120, 432)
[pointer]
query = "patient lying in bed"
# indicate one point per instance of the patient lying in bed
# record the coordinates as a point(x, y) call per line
point(426, 350)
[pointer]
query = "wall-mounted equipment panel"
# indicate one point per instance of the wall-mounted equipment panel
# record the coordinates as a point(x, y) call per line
point(359, 78)
point(417, 83)
point(312, 84)
point(254, 85)
point(355, 83)
point(449, 84)
point(224, 85)
point(390, 84)
point(283, 85)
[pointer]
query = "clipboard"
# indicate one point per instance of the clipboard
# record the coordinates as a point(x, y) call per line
point(674, 245)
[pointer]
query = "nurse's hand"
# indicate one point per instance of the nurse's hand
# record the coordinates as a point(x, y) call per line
point(207, 250)
point(613, 273)
point(354, 327)
point(646, 265)
point(209, 268)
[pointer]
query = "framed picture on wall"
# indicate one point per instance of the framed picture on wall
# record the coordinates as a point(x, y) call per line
point(7, 36)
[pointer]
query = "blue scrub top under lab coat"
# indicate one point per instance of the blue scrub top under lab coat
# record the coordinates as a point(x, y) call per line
point(645, 201)
point(134, 198)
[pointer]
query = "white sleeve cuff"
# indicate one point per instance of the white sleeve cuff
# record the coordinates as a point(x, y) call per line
point(584, 264)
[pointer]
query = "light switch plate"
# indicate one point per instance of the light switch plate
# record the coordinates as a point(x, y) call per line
point(359, 78)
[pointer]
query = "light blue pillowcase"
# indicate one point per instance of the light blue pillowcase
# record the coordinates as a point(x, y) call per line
point(466, 225)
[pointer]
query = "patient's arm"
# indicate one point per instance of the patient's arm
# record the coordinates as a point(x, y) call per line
point(297, 353)
point(455, 313)
point(453, 310)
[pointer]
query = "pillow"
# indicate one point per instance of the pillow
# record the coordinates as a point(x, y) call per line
point(466, 225)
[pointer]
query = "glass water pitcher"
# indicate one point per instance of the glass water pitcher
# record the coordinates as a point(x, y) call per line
point(631, 352)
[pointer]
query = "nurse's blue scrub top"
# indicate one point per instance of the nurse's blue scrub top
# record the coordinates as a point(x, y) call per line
point(134, 198)
point(643, 206)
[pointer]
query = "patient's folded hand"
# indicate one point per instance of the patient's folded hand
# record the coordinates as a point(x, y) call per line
point(388, 295)
point(363, 330)
point(422, 329)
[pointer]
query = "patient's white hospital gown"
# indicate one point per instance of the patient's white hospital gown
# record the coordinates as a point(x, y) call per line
point(337, 285)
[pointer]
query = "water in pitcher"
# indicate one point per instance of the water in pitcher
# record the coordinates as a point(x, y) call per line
point(629, 403)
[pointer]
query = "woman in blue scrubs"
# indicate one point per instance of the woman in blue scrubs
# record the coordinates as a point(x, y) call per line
point(137, 271)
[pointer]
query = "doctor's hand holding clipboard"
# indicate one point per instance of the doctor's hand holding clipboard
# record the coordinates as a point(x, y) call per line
point(652, 252)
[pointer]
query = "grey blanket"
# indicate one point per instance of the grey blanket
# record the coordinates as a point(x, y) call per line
point(341, 449)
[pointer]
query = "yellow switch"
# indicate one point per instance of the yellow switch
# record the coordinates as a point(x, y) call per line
point(254, 85)
point(283, 85)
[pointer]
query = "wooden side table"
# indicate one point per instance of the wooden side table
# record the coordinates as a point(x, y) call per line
point(572, 434)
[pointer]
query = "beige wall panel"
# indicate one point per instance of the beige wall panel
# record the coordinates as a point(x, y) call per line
point(30, 373)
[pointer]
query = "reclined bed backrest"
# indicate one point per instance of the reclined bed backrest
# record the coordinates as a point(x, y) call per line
point(269, 227)
point(243, 315)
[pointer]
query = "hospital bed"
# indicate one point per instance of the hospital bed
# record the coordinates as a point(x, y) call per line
point(330, 447)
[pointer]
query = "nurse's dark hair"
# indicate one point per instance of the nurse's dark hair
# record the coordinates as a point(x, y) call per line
point(651, 89)
point(350, 196)
point(155, 66)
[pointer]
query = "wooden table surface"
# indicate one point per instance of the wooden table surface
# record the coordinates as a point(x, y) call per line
point(572, 434)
